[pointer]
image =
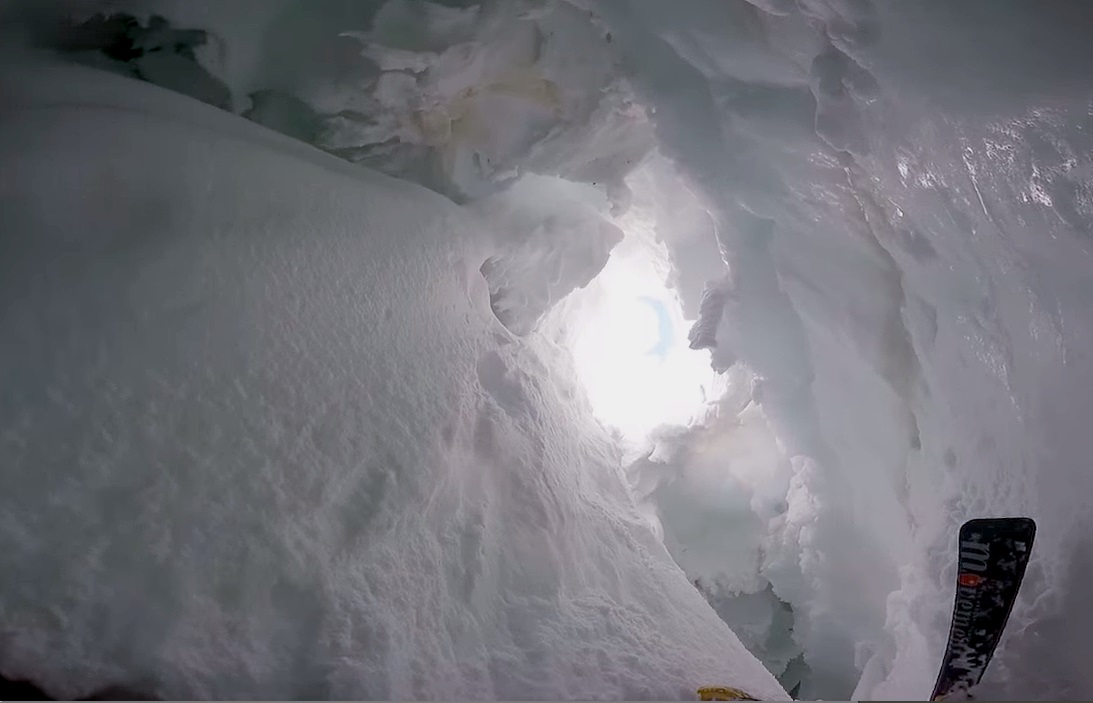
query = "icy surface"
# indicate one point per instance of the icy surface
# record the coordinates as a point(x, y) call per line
point(876, 214)
point(905, 202)
point(263, 436)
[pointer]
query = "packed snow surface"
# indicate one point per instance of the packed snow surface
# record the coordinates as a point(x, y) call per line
point(263, 436)
point(719, 310)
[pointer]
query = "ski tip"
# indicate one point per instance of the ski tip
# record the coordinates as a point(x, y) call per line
point(992, 554)
point(1020, 530)
point(1010, 524)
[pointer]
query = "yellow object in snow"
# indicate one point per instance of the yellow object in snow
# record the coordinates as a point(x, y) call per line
point(723, 693)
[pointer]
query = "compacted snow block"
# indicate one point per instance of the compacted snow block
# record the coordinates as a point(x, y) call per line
point(262, 437)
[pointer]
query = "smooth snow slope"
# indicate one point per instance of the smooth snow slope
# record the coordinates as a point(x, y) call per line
point(263, 437)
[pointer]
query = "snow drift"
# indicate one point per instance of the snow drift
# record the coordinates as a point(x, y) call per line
point(263, 436)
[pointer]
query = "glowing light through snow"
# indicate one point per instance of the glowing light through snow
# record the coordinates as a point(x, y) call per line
point(630, 346)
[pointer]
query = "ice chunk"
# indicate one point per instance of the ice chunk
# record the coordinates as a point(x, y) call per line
point(551, 236)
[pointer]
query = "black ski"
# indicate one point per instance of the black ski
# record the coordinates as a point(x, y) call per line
point(993, 555)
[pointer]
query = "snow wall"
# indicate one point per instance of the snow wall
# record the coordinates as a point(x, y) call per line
point(264, 436)
point(876, 217)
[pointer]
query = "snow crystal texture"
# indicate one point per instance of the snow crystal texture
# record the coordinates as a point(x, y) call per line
point(263, 436)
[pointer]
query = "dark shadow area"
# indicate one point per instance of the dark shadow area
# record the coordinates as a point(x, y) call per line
point(11, 690)
point(156, 52)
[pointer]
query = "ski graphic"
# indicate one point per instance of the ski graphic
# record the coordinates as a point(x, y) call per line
point(993, 555)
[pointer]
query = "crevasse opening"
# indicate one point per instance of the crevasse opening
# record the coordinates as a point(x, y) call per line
point(629, 343)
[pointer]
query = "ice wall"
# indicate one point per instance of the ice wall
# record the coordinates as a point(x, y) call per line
point(903, 199)
point(263, 436)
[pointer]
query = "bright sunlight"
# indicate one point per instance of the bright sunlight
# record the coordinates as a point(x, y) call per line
point(630, 345)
